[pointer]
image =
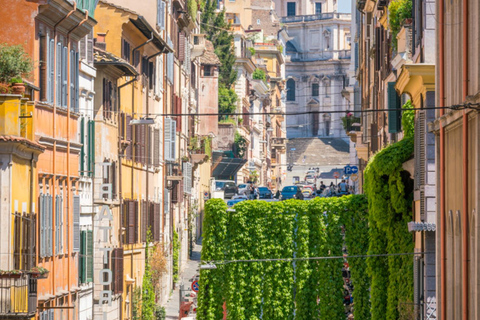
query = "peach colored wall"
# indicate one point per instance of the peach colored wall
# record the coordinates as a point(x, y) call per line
point(208, 103)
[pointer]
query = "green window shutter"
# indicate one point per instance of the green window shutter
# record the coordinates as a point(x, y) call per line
point(82, 261)
point(89, 264)
point(82, 151)
point(91, 148)
point(394, 115)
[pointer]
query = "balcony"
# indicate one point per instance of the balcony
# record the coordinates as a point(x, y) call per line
point(18, 296)
point(279, 143)
point(315, 17)
point(199, 45)
point(200, 151)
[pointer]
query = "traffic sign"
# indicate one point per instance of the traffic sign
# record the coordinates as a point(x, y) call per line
point(206, 196)
point(354, 169)
point(347, 170)
point(336, 174)
point(195, 286)
point(354, 177)
point(293, 149)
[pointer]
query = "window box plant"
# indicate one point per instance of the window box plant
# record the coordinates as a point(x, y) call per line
point(348, 120)
point(18, 87)
point(10, 273)
point(39, 272)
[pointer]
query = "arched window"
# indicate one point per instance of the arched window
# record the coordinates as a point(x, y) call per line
point(290, 90)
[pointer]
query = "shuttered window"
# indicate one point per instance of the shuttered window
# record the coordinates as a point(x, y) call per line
point(170, 62)
point(131, 221)
point(170, 138)
point(144, 220)
point(161, 14)
point(187, 177)
point(154, 220)
point(58, 98)
point(86, 48)
point(46, 229)
point(374, 137)
point(59, 224)
point(50, 70)
point(159, 75)
point(74, 78)
point(109, 99)
point(156, 147)
point(181, 46)
point(126, 50)
point(166, 200)
point(76, 223)
point(43, 67)
point(420, 147)
point(86, 256)
point(129, 137)
point(91, 148)
point(64, 79)
point(117, 266)
point(394, 114)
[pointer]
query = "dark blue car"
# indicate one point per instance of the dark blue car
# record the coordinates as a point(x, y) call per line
point(289, 192)
point(265, 193)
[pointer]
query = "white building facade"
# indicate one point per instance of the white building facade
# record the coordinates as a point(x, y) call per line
point(317, 63)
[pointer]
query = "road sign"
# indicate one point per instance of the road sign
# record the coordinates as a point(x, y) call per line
point(354, 177)
point(195, 286)
point(347, 170)
point(354, 169)
point(293, 149)
point(336, 174)
point(206, 196)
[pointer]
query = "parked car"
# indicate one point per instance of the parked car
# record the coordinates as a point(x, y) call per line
point(228, 187)
point(236, 199)
point(289, 192)
point(244, 188)
point(311, 178)
point(265, 193)
point(308, 191)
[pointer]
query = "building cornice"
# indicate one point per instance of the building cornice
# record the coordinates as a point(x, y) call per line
point(416, 80)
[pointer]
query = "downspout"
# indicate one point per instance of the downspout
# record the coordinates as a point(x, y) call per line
point(69, 100)
point(465, 164)
point(54, 164)
point(441, 72)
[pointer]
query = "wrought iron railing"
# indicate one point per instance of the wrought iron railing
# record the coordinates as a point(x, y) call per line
point(314, 17)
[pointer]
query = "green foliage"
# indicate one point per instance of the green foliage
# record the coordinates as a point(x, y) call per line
point(14, 62)
point(16, 80)
point(137, 303)
point(227, 102)
point(160, 313)
point(408, 119)
point(148, 290)
point(252, 50)
point(216, 28)
point(253, 176)
point(228, 120)
point(240, 145)
point(348, 120)
point(398, 11)
point(303, 289)
point(389, 191)
point(259, 74)
point(192, 7)
point(175, 254)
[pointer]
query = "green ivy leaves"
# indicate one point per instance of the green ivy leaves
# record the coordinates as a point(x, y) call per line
point(301, 289)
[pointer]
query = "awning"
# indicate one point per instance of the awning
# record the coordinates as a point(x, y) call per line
point(147, 30)
point(224, 166)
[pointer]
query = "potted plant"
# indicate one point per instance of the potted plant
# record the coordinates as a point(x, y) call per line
point(10, 273)
point(18, 87)
point(39, 272)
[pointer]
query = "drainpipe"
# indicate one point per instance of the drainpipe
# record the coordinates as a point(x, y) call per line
point(69, 99)
point(54, 164)
point(441, 72)
point(465, 165)
point(143, 44)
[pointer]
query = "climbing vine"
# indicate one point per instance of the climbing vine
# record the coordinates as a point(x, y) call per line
point(389, 189)
point(175, 254)
point(148, 290)
point(286, 289)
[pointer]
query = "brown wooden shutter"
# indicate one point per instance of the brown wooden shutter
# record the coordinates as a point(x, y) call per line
point(181, 46)
point(136, 212)
point(143, 150)
point(144, 224)
point(117, 261)
point(128, 137)
point(175, 192)
point(136, 145)
point(131, 234)
point(374, 137)
point(43, 68)
point(113, 179)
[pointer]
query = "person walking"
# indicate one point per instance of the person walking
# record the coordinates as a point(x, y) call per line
point(299, 194)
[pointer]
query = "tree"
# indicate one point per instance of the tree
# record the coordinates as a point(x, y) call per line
point(227, 102)
point(218, 32)
point(14, 62)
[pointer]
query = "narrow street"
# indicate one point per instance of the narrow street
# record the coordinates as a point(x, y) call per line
point(191, 268)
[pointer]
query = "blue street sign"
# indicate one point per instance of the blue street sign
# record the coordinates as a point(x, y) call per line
point(195, 286)
point(347, 170)
point(354, 169)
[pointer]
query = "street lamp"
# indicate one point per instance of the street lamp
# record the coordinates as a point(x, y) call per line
point(208, 266)
point(137, 122)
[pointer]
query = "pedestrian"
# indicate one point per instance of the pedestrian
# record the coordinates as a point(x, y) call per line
point(256, 193)
point(299, 194)
point(322, 187)
point(277, 195)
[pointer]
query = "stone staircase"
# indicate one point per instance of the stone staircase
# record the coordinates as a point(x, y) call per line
point(318, 151)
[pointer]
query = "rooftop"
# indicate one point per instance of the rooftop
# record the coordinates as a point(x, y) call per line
point(209, 57)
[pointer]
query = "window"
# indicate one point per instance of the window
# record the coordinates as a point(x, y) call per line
point(291, 9)
point(131, 221)
point(187, 177)
point(86, 48)
point(161, 14)
point(315, 90)
point(86, 256)
point(318, 7)
point(109, 99)
point(109, 176)
point(170, 139)
point(258, 21)
point(46, 225)
point(117, 266)
point(47, 55)
point(290, 90)
point(207, 71)
point(61, 76)
point(159, 75)
point(24, 240)
point(74, 77)
point(125, 50)
point(76, 223)
point(59, 224)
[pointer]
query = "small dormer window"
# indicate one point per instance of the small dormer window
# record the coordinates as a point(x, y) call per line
point(207, 71)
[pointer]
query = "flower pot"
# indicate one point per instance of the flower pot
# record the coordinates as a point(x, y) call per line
point(10, 275)
point(18, 88)
point(38, 275)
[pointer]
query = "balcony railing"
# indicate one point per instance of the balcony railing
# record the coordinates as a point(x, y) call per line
point(279, 142)
point(320, 55)
point(314, 17)
point(18, 296)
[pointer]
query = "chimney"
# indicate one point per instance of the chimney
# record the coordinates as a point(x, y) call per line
point(100, 41)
